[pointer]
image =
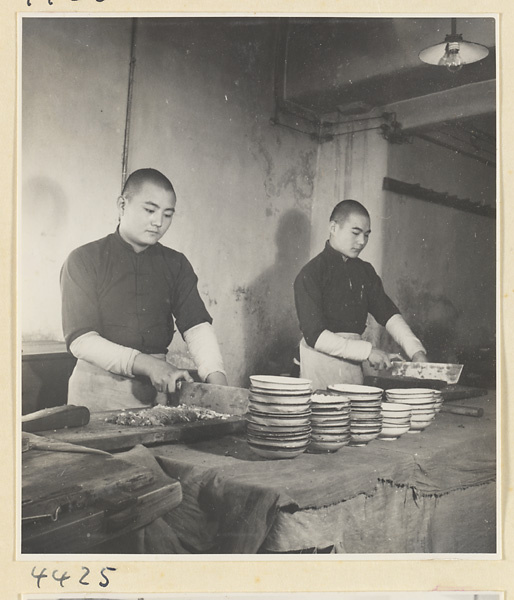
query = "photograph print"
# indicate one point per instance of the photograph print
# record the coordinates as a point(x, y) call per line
point(257, 286)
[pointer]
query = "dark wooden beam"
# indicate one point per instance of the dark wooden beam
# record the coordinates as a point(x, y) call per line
point(414, 190)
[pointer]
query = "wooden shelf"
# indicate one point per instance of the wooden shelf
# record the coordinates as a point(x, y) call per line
point(415, 190)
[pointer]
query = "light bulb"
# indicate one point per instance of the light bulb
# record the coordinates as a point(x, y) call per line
point(452, 59)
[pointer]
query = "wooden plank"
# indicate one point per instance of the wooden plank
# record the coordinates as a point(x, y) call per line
point(85, 529)
point(58, 417)
point(107, 436)
point(415, 190)
point(68, 481)
point(47, 348)
point(71, 502)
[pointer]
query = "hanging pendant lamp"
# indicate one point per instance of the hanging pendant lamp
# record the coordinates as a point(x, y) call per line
point(454, 52)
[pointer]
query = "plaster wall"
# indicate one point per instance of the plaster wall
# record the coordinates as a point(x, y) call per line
point(74, 89)
point(202, 102)
point(201, 113)
point(440, 262)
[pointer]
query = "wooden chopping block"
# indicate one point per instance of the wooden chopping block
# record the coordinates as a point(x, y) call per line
point(57, 417)
point(221, 398)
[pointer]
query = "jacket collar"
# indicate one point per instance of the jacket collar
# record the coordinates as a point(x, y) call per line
point(333, 255)
point(126, 246)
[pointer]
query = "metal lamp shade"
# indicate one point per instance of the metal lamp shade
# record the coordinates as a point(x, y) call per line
point(470, 52)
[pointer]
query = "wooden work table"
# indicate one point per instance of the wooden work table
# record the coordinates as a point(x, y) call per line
point(431, 492)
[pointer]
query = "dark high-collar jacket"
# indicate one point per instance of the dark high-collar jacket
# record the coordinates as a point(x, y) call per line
point(133, 299)
point(337, 294)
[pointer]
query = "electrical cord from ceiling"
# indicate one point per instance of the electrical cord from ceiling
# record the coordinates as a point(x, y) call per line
point(128, 113)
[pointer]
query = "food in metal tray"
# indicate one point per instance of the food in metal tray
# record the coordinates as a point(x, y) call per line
point(444, 371)
point(165, 415)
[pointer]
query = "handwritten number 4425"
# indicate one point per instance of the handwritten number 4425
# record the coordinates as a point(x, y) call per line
point(62, 577)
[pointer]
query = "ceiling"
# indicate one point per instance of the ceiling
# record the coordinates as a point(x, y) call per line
point(340, 65)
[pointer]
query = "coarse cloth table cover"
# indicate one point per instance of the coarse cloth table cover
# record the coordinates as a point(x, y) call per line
point(428, 492)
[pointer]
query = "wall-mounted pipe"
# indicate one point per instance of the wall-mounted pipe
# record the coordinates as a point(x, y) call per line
point(128, 113)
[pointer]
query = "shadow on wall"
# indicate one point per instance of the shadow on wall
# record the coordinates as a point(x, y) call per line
point(270, 323)
point(434, 319)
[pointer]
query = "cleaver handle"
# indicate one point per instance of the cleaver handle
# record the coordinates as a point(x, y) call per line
point(57, 417)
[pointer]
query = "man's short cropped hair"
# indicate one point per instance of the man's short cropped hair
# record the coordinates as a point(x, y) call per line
point(345, 208)
point(138, 178)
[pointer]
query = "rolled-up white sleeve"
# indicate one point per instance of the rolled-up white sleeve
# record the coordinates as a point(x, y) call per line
point(112, 357)
point(341, 347)
point(203, 346)
point(402, 335)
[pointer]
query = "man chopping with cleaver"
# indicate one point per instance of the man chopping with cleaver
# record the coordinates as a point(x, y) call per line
point(334, 293)
point(121, 298)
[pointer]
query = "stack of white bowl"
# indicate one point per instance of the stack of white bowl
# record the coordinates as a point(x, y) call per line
point(395, 420)
point(330, 422)
point(421, 402)
point(438, 395)
point(365, 411)
point(278, 419)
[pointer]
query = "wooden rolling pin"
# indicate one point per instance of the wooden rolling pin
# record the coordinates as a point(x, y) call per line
point(468, 411)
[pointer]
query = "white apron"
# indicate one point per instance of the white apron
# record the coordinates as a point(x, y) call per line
point(324, 370)
point(101, 390)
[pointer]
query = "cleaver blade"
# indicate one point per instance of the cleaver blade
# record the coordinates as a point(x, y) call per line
point(221, 398)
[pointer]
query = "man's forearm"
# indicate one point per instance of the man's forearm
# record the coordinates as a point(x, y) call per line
point(203, 347)
point(402, 335)
point(112, 357)
point(341, 347)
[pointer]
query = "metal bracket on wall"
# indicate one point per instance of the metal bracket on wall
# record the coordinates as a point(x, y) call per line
point(392, 130)
point(416, 191)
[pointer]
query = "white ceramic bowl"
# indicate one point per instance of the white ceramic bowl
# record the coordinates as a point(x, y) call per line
point(360, 439)
point(395, 430)
point(415, 401)
point(318, 446)
point(276, 454)
point(279, 382)
point(355, 389)
point(303, 391)
point(403, 408)
point(410, 391)
point(422, 418)
point(276, 429)
point(280, 421)
point(275, 399)
point(330, 437)
point(278, 443)
point(397, 423)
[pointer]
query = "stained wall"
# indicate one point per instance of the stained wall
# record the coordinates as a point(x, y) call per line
point(439, 261)
point(74, 89)
point(201, 108)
